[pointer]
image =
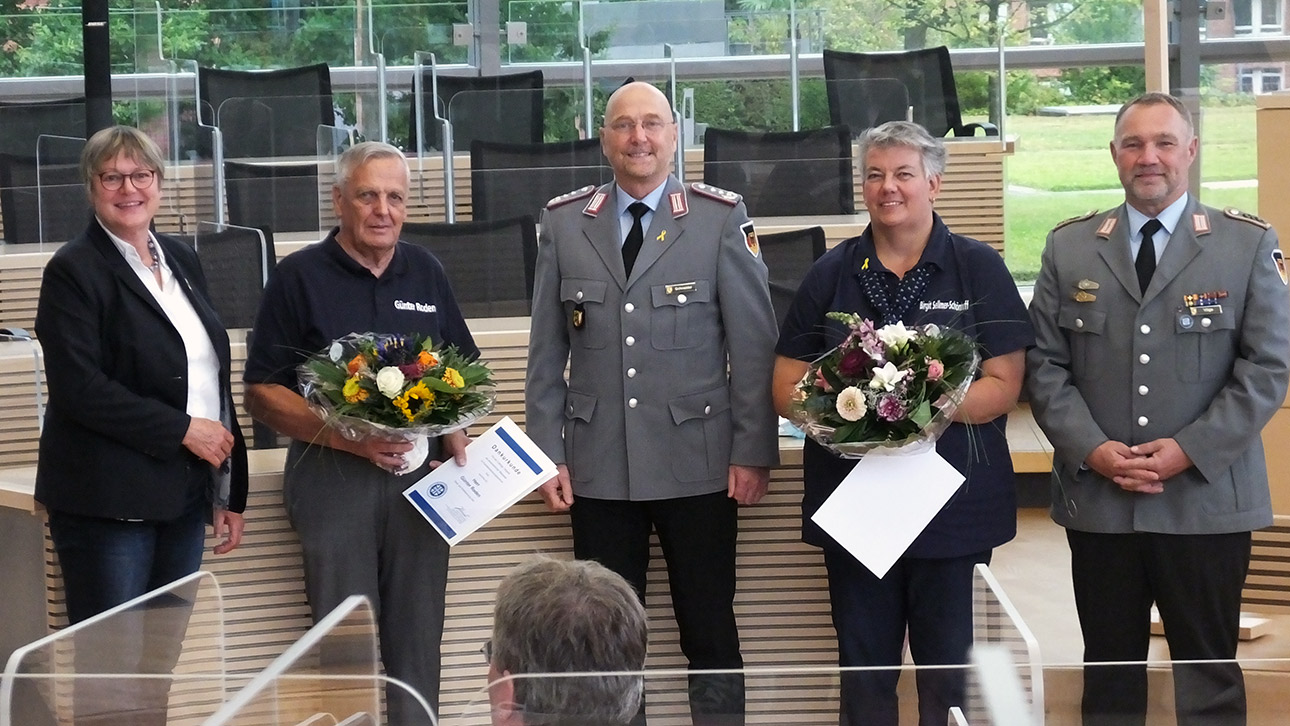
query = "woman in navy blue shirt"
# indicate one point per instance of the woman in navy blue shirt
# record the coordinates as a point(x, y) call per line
point(908, 267)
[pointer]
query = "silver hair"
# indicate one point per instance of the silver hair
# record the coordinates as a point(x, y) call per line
point(361, 153)
point(567, 616)
point(906, 134)
point(1155, 98)
point(107, 143)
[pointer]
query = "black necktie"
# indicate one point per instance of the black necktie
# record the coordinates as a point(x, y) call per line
point(632, 245)
point(1145, 263)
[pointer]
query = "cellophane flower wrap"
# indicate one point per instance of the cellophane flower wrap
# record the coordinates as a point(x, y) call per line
point(400, 386)
point(887, 387)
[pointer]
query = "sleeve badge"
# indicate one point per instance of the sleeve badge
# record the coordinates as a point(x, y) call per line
point(750, 238)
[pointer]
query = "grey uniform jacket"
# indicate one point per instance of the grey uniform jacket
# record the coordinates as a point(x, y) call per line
point(1136, 367)
point(669, 371)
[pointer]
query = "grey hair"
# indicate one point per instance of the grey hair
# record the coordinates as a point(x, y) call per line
point(906, 134)
point(566, 616)
point(361, 153)
point(1156, 98)
point(107, 143)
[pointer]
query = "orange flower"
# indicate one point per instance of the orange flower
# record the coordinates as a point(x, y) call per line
point(426, 359)
point(357, 364)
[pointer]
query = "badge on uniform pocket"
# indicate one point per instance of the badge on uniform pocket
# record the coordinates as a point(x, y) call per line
point(579, 317)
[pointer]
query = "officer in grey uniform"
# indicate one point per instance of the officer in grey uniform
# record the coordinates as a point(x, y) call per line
point(655, 295)
point(1163, 347)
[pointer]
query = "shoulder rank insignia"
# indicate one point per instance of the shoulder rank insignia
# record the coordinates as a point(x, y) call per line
point(567, 197)
point(1077, 218)
point(717, 193)
point(1235, 213)
point(1107, 226)
point(1200, 223)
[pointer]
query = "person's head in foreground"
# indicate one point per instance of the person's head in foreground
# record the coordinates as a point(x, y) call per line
point(565, 616)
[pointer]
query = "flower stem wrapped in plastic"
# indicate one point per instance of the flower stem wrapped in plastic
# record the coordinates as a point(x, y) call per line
point(396, 386)
point(887, 387)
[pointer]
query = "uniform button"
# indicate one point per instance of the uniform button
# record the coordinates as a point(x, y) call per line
point(630, 340)
point(1142, 421)
point(579, 295)
point(1146, 329)
point(707, 409)
point(631, 372)
point(1144, 358)
point(571, 408)
point(1143, 390)
point(631, 402)
point(681, 298)
point(1079, 322)
point(629, 307)
point(1206, 322)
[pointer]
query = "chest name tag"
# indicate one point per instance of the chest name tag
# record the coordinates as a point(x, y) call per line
point(414, 307)
point(680, 287)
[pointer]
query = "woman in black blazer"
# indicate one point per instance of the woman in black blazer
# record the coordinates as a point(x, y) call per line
point(140, 447)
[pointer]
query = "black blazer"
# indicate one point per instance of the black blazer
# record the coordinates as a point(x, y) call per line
point(117, 374)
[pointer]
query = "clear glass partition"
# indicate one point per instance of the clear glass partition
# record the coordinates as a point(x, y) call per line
point(42, 194)
point(329, 676)
point(159, 655)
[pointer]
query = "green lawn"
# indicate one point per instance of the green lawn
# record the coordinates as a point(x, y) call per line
point(1062, 168)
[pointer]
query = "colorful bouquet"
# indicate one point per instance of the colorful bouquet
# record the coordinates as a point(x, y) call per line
point(884, 387)
point(400, 386)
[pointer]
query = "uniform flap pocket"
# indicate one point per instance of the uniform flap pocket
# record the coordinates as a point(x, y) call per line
point(577, 290)
point(680, 293)
point(699, 405)
point(1185, 322)
point(1082, 320)
point(579, 405)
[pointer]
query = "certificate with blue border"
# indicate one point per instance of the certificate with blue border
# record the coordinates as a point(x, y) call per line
point(502, 466)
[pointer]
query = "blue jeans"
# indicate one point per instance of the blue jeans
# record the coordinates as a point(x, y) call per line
point(106, 562)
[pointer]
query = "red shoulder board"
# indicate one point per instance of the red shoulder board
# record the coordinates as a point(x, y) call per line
point(572, 196)
point(717, 193)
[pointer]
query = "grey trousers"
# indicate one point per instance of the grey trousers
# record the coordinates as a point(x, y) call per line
point(361, 537)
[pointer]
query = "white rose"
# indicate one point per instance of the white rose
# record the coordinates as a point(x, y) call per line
point(894, 336)
point(335, 352)
point(851, 404)
point(390, 381)
point(931, 330)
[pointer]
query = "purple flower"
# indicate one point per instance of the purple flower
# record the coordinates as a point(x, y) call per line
point(890, 408)
point(854, 362)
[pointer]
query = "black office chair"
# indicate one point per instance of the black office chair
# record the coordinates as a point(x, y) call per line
point(788, 256)
point(264, 114)
point(274, 198)
point(489, 263)
point(48, 204)
point(928, 78)
point(237, 262)
point(24, 123)
point(510, 180)
point(506, 108)
point(864, 103)
point(783, 173)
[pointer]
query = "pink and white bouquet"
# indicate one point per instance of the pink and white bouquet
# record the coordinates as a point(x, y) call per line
point(884, 387)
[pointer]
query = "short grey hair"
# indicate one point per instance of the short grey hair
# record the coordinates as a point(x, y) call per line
point(361, 153)
point(909, 135)
point(567, 616)
point(1156, 98)
point(106, 144)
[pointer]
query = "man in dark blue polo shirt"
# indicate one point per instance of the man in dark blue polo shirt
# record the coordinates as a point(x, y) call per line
point(908, 267)
point(358, 534)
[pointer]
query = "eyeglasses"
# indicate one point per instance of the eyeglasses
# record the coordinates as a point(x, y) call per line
point(140, 178)
point(487, 650)
point(650, 125)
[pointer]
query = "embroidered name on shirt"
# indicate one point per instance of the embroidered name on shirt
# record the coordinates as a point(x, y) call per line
point(954, 305)
point(414, 306)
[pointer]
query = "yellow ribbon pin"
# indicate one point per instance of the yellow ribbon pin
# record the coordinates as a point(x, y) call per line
point(865, 266)
point(661, 236)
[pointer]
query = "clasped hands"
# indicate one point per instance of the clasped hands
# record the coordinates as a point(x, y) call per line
point(1143, 468)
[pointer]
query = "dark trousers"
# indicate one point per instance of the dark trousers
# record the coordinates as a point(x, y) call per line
point(931, 599)
point(1195, 582)
point(107, 562)
point(361, 537)
point(698, 536)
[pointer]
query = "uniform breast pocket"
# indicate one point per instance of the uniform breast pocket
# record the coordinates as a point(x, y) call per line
point(678, 310)
point(1084, 327)
point(1204, 345)
point(584, 309)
